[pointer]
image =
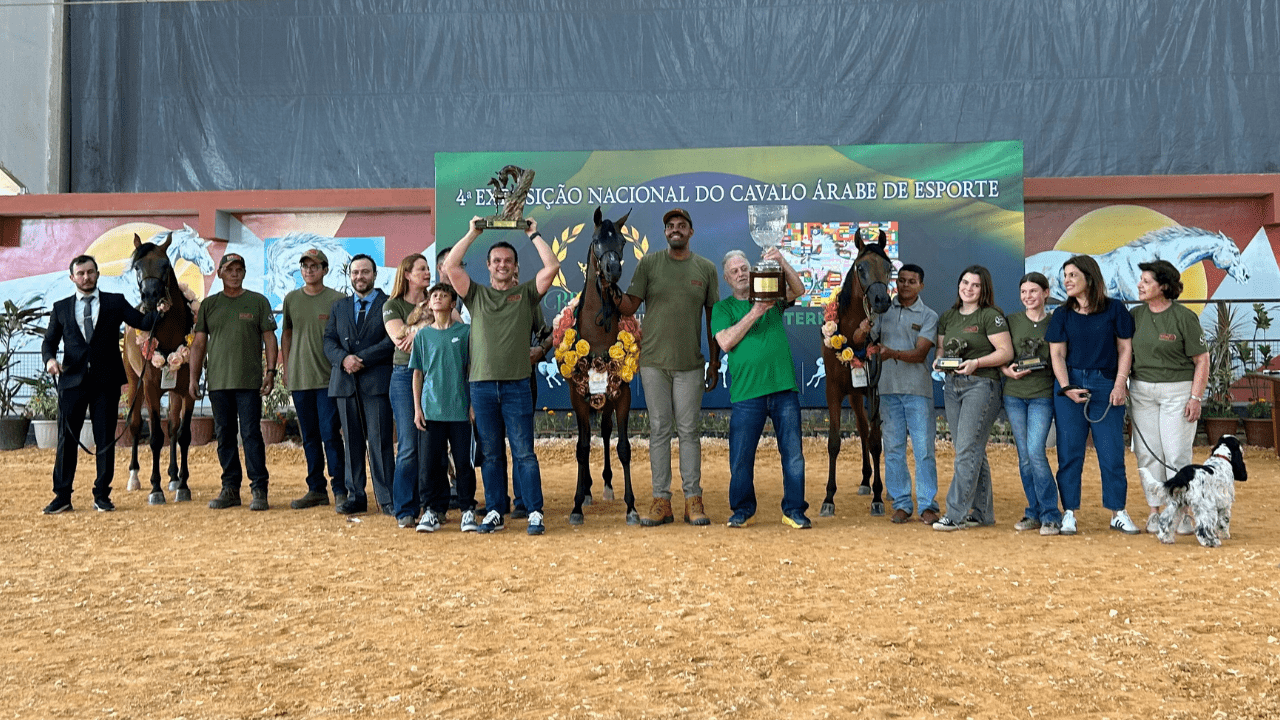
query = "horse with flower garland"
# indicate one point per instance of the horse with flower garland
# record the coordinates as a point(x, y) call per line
point(151, 360)
point(598, 351)
point(863, 295)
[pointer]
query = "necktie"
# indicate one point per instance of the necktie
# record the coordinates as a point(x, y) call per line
point(364, 308)
point(88, 318)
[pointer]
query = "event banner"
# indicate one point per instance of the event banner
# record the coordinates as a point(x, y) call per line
point(942, 207)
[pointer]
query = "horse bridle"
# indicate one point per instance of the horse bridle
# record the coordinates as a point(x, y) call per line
point(603, 250)
point(862, 273)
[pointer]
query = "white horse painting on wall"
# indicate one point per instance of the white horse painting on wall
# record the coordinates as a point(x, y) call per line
point(281, 271)
point(1182, 246)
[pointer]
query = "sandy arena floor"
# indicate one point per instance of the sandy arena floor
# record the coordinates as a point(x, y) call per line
point(184, 612)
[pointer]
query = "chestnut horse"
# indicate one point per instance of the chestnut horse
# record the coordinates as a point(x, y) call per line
point(864, 294)
point(598, 321)
point(156, 282)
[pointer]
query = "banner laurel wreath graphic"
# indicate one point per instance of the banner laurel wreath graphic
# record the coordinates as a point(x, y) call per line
point(560, 246)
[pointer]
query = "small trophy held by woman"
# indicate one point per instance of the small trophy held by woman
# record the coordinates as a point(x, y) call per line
point(767, 224)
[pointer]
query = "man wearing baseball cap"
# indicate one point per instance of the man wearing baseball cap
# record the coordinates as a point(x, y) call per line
point(306, 374)
point(233, 328)
point(674, 284)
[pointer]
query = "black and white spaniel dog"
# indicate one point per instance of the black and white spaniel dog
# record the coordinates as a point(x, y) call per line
point(1207, 490)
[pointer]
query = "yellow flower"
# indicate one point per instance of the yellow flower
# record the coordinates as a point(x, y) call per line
point(582, 347)
point(626, 338)
point(846, 354)
point(566, 369)
point(837, 342)
point(559, 355)
point(570, 335)
point(616, 352)
point(571, 358)
point(626, 375)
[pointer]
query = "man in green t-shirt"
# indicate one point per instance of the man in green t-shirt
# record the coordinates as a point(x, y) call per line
point(306, 374)
point(764, 388)
point(234, 327)
point(501, 325)
point(674, 284)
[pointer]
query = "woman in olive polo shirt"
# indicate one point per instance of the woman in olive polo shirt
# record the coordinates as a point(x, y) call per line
point(975, 331)
point(1170, 371)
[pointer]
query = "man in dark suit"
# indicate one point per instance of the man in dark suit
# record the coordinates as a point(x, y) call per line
point(360, 351)
point(87, 325)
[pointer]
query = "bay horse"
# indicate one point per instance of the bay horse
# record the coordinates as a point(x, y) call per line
point(597, 320)
point(864, 294)
point(167, 341)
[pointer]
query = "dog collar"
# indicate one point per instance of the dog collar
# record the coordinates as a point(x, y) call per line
point(1223, 452)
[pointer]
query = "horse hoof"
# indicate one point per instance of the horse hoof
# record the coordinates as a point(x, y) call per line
point(633, 518)
point(586, 500)
point(608, 494)
point(877, 509)
point(155, 498)
point(828, 510)
point(184, 495)
point(134, 483)
point(864, 490)
point(173, 485)
point(575, 518)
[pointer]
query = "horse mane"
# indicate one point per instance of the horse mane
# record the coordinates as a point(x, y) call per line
point(1171, 233)
point(171, 284)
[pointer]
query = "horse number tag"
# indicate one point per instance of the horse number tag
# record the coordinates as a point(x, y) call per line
point(597, 382)
point(168, 378)
point(859, 376)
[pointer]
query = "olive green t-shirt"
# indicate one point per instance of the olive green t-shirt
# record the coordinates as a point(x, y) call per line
point(974, 330)
point(501, 325)
point(233, 355)
point(306, 315)
point(1023, 331)
point(675, 293)
point(1164, 343)
point(398, 309)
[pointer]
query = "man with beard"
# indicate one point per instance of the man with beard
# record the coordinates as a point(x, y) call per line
point(360, 351)
point(674, 284)
point(754, 336)
point(502, 323)
point(87, 324)
point(234, 326)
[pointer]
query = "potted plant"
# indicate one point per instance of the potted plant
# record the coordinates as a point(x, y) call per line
point(277, 406)
point(1256, 357)
point(1219, 415)
point(19, 324)
point(42, 408)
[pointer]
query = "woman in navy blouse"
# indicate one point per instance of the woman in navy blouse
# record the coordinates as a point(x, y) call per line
point(1090, 344)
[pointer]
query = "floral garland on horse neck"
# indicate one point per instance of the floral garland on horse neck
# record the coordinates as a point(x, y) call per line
point(835, 340)
point(602, 373)
point(182, 355)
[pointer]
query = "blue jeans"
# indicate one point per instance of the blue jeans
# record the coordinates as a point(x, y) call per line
point(913, 415)
point(242, 408)
point(746, 424)
point(1108, 440)
point(321, 439)
point(410, 441)
point(504, 411)
point(972, 405)
point(1030, 420)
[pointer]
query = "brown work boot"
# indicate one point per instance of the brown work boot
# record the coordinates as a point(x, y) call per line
point(693, 513)
point(659, 514)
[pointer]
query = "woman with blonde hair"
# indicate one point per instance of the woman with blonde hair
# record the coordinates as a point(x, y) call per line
point(413, 277)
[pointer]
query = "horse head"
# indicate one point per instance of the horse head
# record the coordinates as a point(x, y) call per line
point(188, 245)
point(871, 268)
point(1226, 256)
point(150, 262)
point(607, 244)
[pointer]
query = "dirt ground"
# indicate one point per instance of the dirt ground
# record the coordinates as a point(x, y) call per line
point(184, 612)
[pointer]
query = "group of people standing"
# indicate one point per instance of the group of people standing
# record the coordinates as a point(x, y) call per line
point(387, 388)
point(1074, 368)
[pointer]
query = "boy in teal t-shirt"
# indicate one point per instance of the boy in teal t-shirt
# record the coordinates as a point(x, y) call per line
point(440, 403)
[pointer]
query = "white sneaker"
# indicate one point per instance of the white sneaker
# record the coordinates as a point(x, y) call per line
point(1186, 524)
point(1068, 523)
point(1121, 522)
point(429, 522)
point(469, 523)
point(1153, 523)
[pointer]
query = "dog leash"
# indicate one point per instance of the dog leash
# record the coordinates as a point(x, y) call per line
point(1084, 409)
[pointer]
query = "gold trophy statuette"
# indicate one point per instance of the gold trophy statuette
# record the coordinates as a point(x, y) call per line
point(510, 190)
point(767, 224)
